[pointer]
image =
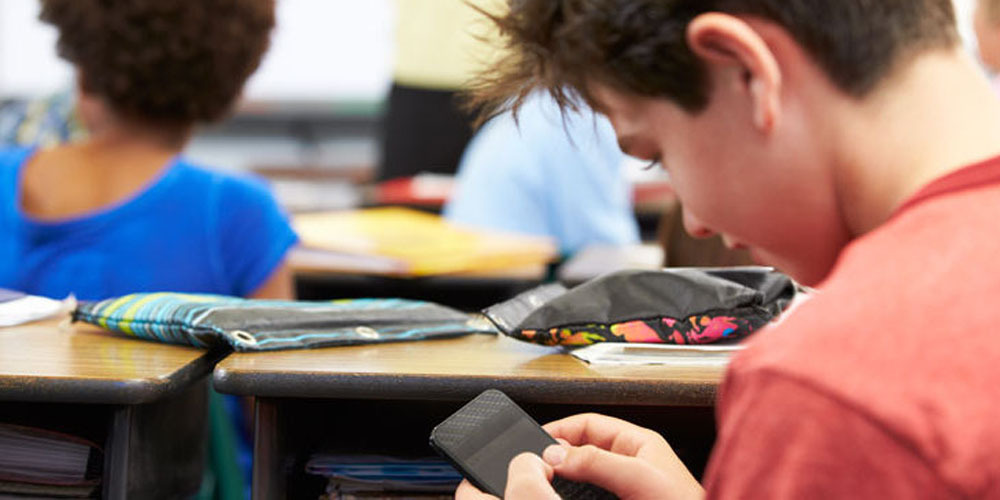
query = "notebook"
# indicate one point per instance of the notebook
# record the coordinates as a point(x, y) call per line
point(41, 462)
point(364, 475)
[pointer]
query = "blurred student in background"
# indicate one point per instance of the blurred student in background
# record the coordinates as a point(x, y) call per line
point(546, 174)
point(565, 177)
point(121, 210)
point(118, 209)
point(439, 44)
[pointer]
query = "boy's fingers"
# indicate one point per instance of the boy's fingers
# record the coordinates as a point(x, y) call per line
point(604, 432)
point(466, 491)
point(624, 476)
point(529, 477)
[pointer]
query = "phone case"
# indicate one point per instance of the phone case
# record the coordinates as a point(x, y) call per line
point(493, 409)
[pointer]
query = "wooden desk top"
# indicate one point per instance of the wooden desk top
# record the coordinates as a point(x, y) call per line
point(458, 369)
point(49, 362)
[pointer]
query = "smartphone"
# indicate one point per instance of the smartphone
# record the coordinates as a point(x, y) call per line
point(482, 437)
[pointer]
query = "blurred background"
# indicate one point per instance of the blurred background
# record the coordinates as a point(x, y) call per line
point(336, 120)
point(314, 100)
point(312, 111)
point(314, 103)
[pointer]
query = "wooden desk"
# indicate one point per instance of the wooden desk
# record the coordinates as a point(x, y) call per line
point(405, 253)
point(385, 399)
point(144, 402)
point(318, 277)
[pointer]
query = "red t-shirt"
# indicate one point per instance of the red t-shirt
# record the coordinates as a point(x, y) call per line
point(887, 383)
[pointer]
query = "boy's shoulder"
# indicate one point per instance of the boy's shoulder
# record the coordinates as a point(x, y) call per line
point(915, 282)
point(901, 334)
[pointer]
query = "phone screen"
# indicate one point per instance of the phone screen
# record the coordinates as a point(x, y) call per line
point(494, 458)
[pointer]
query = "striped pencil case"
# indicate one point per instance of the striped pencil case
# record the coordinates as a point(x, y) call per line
point(263, 325)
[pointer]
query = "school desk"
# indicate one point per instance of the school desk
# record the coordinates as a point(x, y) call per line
point(320, 278)
point(384, 399)
point(406, 253)
point(145, 403)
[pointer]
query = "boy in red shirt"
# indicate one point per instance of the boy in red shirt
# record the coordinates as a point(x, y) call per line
point(852, 144)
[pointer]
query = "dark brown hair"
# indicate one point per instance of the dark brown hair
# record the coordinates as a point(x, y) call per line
point(639, 46)
point(173, 62)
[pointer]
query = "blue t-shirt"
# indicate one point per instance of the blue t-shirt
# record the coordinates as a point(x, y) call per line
point(546, 176)
point(191, 230)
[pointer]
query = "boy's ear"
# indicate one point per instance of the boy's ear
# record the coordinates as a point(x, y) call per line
point(722, 40)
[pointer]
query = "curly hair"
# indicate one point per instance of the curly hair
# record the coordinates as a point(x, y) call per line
point(163, 61)
point(640, 46)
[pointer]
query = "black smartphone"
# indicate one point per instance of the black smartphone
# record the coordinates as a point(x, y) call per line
point(482, 437)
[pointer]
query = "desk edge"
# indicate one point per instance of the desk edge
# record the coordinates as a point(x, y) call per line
point(106, 391)
point(455, 388)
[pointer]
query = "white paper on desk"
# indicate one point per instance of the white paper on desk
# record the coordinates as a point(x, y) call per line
point(615, 353)
point(28, 308)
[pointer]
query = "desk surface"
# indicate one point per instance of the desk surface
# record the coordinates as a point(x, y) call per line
point(50, 362)
point(458, 369)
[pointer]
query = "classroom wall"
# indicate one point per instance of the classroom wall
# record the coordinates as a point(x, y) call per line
point(326, 55)
point(321, 50)
point(28, 63)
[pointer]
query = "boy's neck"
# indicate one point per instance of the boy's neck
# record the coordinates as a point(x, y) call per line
point(936, 116)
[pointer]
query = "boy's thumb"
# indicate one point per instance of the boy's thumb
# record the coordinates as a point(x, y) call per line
point(622, 475)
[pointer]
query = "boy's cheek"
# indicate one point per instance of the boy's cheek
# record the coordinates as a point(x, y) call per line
point(988, 41)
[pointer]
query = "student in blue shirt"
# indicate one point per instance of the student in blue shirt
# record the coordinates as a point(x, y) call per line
point(546, 175)
point(122, 210)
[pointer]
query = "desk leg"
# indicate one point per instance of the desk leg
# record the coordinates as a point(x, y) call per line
point(270, 466)
point(157, 450)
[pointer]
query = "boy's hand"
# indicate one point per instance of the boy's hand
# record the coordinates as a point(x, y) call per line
point(630, 461)
point(527, 477)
